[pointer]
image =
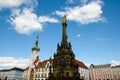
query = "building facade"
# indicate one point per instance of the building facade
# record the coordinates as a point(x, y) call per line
point(34, 60)
point(84, 73)
point(116, 72)
point(101, 72)
point(83, 70)
point(11, 74)
point(25, 74)
point(43, 69)
point(4, 74)
point(40, 73)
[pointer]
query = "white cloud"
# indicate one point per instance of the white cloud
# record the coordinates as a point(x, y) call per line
point(26, 22)
point(88, 13)
point(12, 3)
point(23, 18)
point(78, 35)
point(47, 19)
point(114, 62)
point(60, 13)
point(10, 62)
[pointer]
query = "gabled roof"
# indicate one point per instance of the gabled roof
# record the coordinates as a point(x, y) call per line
point(43, 64)
point(80, 64)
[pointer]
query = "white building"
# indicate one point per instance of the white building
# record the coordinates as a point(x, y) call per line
point(11, 74)
point(25, 74)
point(83, 70)
point(42, 70)
point(4, 74)
point(34, 61)
point(40, 73)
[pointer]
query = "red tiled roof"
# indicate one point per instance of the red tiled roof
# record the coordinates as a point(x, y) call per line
point(80, 64)
point(42, 64)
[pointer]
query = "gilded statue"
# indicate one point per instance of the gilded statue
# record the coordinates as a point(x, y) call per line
point(64, 19)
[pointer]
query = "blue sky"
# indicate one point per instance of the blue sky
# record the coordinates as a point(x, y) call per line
point(93, 30)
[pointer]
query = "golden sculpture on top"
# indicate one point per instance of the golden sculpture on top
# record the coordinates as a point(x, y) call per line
point(64, 19)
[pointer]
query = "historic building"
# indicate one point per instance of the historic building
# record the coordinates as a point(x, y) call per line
point(11, 74)
point(43, 69)
point(101, 72)
point(4, 74)
point(104, 72)
point(40, 73)
point(34, 60)
point(83, 70)
point(62, 67)
point(116, 72)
